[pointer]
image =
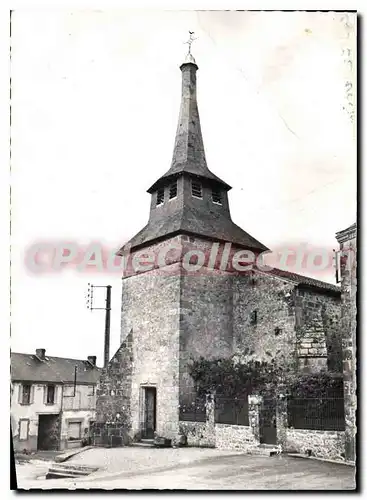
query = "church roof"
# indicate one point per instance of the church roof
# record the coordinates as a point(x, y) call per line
point(304, 280)
point(189, 220)
point(188, 160)
point(188, 151)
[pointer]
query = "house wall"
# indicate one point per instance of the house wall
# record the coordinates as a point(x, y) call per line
point(81, 408)
point(31, 412)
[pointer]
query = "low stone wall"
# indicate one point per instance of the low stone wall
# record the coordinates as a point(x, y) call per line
point(323, 444)
point(109, 435)
point(234, 437)
point(198, 434)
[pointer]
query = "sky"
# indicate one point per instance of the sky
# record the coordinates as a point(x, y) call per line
point(95, 102)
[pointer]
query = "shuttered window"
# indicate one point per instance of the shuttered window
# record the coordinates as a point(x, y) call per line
point(173, 190)
point(160, 196)
point(25, 393)
point(216, 196)
point(196, 189)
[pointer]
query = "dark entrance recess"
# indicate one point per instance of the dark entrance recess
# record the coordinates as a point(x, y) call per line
point(268, 425)
point(150, 404)
point(48, 432)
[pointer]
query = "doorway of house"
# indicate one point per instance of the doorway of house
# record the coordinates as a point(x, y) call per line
point(268, 425)
point(48, 432)
point(150, 414)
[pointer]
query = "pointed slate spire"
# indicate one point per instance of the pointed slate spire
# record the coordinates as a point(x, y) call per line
point(188, 152)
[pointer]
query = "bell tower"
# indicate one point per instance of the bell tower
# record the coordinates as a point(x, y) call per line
point(173, 316)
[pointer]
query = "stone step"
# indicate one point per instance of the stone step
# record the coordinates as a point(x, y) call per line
point(264, 450)
point(144, 443)
point(58, 470)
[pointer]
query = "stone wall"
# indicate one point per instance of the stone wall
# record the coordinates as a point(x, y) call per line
point(150, 309)
point(272, 333)
point(348, 259)
point(234, 437)
point(198, 434)
point(323, 444)
point(113, 422)
point(318, 330)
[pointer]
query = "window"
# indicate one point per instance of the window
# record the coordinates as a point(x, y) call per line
point(277, 331)
point(50, 394)
point(91, 390)
point(74, 431)
point(26, 394)
point(173, 190)
point(196, 189)
point(23, 429)
point(160, 196)
point(216, 196)
point(253, 318)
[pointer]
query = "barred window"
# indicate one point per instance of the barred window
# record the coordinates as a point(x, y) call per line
point(173, 190)
point(216, 196)
point(196, 189)
point(160, 196)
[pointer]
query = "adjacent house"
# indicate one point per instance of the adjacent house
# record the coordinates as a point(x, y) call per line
point(53, 400)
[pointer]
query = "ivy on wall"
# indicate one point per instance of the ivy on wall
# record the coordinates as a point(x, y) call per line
point(233, 378)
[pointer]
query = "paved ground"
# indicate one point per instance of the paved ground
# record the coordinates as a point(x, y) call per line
point(195, 469)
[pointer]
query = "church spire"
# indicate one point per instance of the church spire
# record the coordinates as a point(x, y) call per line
point(188, 152)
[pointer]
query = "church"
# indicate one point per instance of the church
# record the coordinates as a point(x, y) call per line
point(176, 310)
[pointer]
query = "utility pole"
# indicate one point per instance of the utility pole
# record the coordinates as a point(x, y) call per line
point(107, 308)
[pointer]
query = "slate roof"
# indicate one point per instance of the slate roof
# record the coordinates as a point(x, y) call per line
point(305, 280)
point(190, 221)
point(28, 368)
point(188, 152)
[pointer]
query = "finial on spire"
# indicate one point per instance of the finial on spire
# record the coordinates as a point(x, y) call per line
point(189, 57)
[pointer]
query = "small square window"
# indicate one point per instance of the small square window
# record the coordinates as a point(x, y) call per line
point(160, 196)
point(277, 331)
point(173, 190)
point(196, 189)
point(50, 397)
point(216, 197)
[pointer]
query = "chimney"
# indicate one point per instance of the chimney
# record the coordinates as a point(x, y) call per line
point(40, 353)
point(92, 360)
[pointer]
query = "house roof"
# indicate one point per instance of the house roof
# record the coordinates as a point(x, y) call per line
point(28, 367)
point(305, 280)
